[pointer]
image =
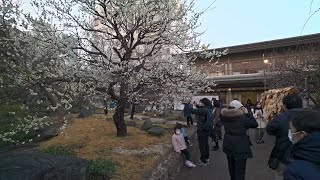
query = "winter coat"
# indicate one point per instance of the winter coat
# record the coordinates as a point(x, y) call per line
point(306, 155)
point(279, 127)
point(236, 142)
point(201, 118)
point(178, 142)
point(217, 117)
point(187, 110)
point(260, 120)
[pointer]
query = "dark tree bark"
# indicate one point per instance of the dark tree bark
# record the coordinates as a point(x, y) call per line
point(118, 116)
point(132, 110)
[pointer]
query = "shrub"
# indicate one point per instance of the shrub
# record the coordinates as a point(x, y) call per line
point(101, 169)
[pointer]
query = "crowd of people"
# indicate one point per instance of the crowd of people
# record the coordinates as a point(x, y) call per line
point(296, 152)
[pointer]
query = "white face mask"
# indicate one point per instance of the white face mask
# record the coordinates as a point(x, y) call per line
point(178, 131)
point(290, 135)
point(258, 106)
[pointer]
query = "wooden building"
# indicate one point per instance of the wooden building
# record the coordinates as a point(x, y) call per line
point(241, 73)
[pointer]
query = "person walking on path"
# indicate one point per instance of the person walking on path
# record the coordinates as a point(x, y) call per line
point(179, 145)
point(187, 113)
point(236, 144)
point(204, 126)
point(217, 134)
point(305, 135)
point(259, 115)
point(279, 127)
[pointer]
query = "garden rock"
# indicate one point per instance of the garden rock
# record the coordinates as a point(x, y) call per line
point(157, 131)
point(85, 112)
point(41, 166)
point(143, 118)
point(147, 124)
point(131, 123)
point(158, 120)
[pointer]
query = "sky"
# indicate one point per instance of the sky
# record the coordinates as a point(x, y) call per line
point(235, 22)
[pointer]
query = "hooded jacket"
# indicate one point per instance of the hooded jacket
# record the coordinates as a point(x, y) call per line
point(306, 155)
point(236, 142)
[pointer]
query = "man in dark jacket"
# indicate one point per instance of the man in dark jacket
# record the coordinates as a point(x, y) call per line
point(279, 127)
point(236, 143)
point(203, 129)
point(187, 113)
point(305, 135)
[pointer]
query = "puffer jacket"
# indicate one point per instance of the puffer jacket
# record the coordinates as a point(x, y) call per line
point(236, 142)
point(306, 155)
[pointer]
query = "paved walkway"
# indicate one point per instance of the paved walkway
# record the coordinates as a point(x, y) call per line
point(257, 168)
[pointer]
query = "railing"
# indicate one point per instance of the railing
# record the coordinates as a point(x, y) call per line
point(236, 72)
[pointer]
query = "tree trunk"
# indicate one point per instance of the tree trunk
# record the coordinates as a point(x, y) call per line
point(132, 110)
point(118, 118)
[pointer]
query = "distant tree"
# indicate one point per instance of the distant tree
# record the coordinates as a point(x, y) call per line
point(300, 67)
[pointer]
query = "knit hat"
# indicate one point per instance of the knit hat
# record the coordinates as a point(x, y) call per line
point(236, 104)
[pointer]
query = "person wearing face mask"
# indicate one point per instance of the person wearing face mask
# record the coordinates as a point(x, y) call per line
point(305, 135)
point(279, 127)
point(260, 118)
point(236, 143)
point(179, 145)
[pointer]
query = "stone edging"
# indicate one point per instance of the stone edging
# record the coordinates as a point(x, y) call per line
point(170, 164)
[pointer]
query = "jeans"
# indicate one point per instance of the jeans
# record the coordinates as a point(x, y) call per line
point(203, 139)
point(259, 133)
point(237, 168)
point(189, 120)
point(186, 154)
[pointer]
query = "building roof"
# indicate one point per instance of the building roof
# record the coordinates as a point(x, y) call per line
point(292, 41)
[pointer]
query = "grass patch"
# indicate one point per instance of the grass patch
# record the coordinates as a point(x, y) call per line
point(59, 150)
point(97, 138)
point(101, 169)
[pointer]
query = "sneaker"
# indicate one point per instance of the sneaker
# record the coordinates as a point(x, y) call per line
point(261, 141)
point(190, 164)
point(208, 160)
point(200, 163)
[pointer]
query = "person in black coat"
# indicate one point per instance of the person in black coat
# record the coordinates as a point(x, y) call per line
point(203, 129)
point(187, 113)
point(305, 135)
point(279, 127)
point(236, 143)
